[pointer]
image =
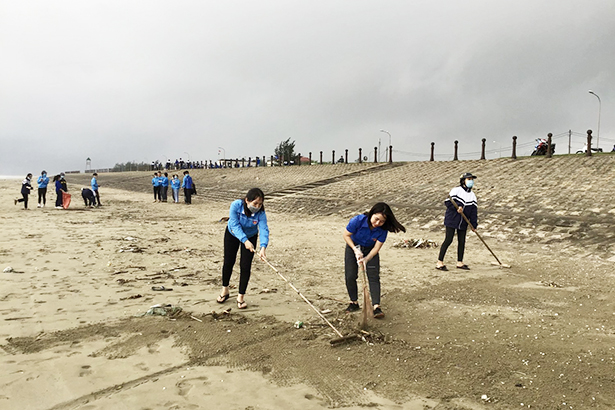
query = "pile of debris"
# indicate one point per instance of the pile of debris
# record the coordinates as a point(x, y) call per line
point(416, 243)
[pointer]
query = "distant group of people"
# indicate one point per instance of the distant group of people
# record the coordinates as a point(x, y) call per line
point(179, 164)
point(91, 196)
point(161, 182)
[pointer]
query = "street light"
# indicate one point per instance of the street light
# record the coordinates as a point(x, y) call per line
point(599, 110)
point(389, 147)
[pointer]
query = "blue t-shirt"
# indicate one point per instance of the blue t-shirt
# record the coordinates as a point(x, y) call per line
point(362, 235)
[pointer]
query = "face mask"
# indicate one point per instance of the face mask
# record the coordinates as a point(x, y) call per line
point(470, 183)
point(254, 209)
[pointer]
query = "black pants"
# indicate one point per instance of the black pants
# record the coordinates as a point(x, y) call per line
point(58, 198)
point(351, 270)
point(461, 243)
point(42, 195)
point(188, 195)
point(89, 200)
point(231, 246)
point(163, 193)
point(157, 193)
point(97, 197)
point(24, 200)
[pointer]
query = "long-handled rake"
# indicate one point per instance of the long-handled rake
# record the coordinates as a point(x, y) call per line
point(367, 299)
point(502, 265)
point(342, 337)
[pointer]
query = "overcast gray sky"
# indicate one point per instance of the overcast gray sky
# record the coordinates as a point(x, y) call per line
point(129, 80)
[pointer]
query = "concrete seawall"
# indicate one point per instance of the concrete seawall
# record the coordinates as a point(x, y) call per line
point(566, 201)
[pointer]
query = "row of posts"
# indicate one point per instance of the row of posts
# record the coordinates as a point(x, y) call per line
point(549, 153)
point(333, 160)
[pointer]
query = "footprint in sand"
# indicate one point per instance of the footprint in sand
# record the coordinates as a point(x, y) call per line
point(142, 366)
point(85, 371)
point(185, 386)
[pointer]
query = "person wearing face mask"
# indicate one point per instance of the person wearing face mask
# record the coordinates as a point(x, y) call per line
point(454, 222)
point(175, 184)
point(43, 181)
point(364, 237)
point(247, 219)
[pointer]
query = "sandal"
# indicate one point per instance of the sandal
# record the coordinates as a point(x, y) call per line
point(223, 298)
point(242, 305)
point(443, 267)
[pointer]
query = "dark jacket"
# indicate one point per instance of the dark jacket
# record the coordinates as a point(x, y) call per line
point(465, 198)
point(25, 187)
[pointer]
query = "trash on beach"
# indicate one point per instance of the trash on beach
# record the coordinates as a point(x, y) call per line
point(131, 248)
point(163, 310)
point(298, 324)
point(266, 290)
point(8, 269)
point(416, 243)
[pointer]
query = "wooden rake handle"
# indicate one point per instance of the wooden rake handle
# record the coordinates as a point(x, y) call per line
point(473, 229)
point(303, 297)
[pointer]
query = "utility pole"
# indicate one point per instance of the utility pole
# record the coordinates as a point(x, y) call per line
point(569, 140)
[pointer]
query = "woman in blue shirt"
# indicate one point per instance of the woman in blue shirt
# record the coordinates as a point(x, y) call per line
point(175, 184)
point(43, 181)
point(246, 219)
point(364, 236)
point(157, 183)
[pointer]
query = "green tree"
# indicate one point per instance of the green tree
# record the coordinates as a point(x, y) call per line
point(286, 150)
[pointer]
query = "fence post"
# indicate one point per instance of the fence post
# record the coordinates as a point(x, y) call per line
point(299, 157)
point(376, 155)
point(390, 153)
point(514, 153)
point(455, 157)
point(333, 156)
point(432, 149)
point(264, 160)
point(310, 157)
point(588, 153)
point(243, 162)
point(360, 156)
point(320, 157)
point(346, 156)
point(549, 153)
point(482, 155)
point(272, 160)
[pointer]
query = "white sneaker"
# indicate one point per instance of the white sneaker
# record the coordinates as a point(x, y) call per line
point(59, 207)
point(38, 206)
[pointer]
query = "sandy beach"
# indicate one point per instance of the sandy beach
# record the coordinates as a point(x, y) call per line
point(74, 333)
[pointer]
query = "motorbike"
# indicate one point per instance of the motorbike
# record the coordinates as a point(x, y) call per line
point(584, 150)
point(542, 146)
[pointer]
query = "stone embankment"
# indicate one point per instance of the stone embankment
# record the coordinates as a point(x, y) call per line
point(566, 201)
